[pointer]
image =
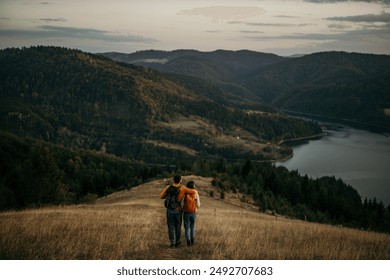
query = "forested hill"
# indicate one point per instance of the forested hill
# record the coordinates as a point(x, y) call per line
point(215, 71)
point(344, 85)
point(220, 65)
point(351, 86)
point(82, 100)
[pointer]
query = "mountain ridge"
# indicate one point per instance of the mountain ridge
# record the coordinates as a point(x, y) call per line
point(353, 83)
point(227, 65)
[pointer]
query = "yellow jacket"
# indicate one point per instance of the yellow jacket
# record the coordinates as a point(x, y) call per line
point(183, 191)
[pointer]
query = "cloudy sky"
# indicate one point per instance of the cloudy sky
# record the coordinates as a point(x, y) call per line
point(283, 27)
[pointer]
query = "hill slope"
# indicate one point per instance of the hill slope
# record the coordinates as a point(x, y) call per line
point(343, 85)
point(219, 65)
point(81, 100)
point(131, 225)
point(221, 69)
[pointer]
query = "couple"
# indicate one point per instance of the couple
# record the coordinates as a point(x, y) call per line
point(187, 201)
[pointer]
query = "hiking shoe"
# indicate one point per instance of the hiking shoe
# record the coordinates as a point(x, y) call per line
point(172, 245)
point(188, 242)
point(192, 241)
point(178, 243)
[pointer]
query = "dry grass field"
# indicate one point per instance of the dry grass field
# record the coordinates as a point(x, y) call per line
point(237, 138)
point(131, 225)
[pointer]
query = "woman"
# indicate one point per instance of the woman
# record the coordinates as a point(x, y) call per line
point(191, 205)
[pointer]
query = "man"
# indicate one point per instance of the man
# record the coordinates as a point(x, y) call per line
point(175, 216)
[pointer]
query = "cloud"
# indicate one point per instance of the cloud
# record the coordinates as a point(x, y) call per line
point(366, 34)
point(270, 24)
point(384, 17)
point(337, 1)
point(213, 31)
point(224, 13)
point(338, 26)
point(53, 19)
point(286, 16)
point(296, 36)
point(48, 31)
point(251, 32)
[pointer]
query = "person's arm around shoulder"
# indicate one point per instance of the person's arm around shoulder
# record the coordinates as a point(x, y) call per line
point(183, 191)
point(163, 194)
point(190, 191)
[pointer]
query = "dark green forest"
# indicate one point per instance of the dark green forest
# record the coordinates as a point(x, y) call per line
point(35, 173)
point(324, 200)
point(86, 101)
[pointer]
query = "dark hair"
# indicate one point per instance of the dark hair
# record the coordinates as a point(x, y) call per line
point(190, 184)
point(177, 179)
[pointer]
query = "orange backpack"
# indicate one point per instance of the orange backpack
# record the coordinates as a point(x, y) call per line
point(189, 203)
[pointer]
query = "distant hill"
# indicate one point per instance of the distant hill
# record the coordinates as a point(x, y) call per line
point(337, 84)
point(82, 100)
point(220, 69)
point(341, 85)
point(220, 65)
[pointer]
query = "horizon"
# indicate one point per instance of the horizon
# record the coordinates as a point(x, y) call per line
point(281, 27)
point(296, 55)
point(239, 50)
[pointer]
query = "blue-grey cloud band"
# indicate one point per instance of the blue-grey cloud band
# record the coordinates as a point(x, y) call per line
point(49, 31)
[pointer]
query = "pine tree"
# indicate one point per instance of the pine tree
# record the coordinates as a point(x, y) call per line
point(42, 179)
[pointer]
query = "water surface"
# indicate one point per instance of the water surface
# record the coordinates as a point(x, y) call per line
point(360, 158)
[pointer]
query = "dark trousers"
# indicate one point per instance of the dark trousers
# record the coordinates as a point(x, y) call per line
point(189, 226)
point(174, 221)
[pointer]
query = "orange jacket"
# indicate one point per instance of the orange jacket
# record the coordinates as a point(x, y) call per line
point(183, 191)
point(187, 203)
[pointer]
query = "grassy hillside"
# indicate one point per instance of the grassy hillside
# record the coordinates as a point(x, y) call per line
point(131, 225)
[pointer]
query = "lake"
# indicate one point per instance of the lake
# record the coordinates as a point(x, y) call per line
point(360, 158)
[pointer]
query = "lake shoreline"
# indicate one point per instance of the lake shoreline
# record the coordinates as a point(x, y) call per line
point(359, 157)
point(300, 139)
point(371, 127)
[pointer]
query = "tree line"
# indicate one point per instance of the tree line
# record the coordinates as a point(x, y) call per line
point(281, 191)
point(34, 173)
